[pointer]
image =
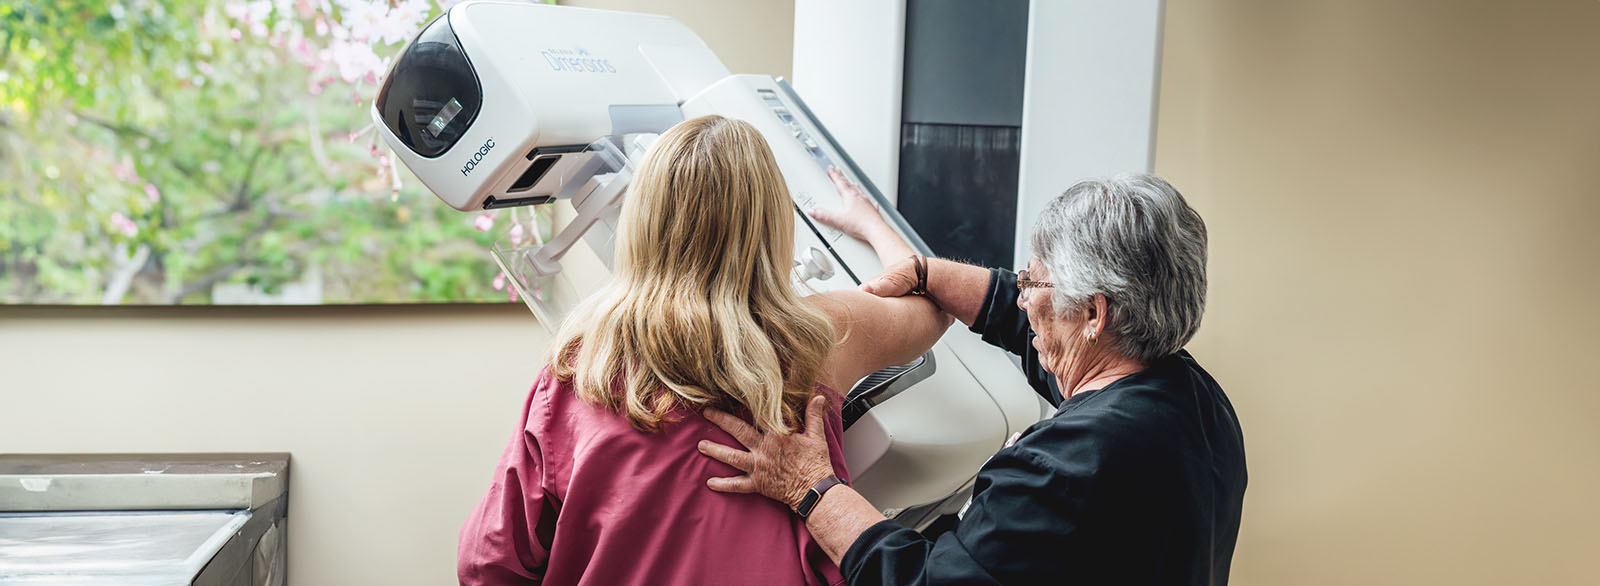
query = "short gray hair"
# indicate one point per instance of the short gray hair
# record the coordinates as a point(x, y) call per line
point(1133, 239)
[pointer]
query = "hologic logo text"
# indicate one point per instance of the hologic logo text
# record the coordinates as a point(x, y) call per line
point(472, 163)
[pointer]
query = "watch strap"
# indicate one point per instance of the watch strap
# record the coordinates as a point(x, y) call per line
point(920, 265)
point(809, 501)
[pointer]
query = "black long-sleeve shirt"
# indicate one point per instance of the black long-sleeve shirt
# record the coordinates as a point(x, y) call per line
point(1140, 482)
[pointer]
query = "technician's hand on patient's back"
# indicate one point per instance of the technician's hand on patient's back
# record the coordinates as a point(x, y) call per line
point(779, 466)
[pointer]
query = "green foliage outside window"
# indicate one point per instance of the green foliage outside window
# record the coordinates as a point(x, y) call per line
point(169, 151)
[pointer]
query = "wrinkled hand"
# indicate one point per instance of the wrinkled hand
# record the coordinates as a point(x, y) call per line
point(856, 216)
point(895, 281)
point(782, 467)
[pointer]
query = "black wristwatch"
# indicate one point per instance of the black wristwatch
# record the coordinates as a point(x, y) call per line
point(809, 501)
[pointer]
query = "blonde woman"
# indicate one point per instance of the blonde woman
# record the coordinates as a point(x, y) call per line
point(602, 483)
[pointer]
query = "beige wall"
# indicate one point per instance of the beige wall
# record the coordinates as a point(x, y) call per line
point(394, 416)
point(750, 36)
point(1402, 199)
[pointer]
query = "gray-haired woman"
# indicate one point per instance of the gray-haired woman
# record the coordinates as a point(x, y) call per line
point(1139, 476)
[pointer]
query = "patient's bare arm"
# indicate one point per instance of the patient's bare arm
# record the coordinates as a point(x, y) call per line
point(860, 219)
point(877, 332)
point(956, 288)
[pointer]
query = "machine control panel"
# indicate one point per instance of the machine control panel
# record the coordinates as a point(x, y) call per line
point(789, 120)
point(792, 124)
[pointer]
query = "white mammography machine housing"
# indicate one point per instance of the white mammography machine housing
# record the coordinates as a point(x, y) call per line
point(501, 104)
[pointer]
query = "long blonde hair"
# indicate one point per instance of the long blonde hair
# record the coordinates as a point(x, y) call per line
point(701, 310)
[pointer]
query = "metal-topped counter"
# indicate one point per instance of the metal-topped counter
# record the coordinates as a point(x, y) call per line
point(143, 519)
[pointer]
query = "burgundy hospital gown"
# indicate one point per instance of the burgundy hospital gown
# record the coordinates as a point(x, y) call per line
point(580, 497)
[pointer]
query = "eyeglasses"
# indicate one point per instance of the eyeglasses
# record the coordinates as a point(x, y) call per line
point(1023, 282)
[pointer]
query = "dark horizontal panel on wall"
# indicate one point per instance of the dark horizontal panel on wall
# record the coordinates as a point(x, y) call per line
point(965, 62)
point(958, 188)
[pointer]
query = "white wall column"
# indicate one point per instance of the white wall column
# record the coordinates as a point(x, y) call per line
point(1089, 101)
point(848, 65)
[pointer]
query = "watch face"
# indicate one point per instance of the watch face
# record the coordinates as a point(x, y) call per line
point(807, 502)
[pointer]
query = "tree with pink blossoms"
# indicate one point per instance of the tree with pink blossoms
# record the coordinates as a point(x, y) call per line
point(152, 151)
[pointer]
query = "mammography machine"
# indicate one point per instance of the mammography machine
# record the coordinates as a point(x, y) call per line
point(502, 104)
